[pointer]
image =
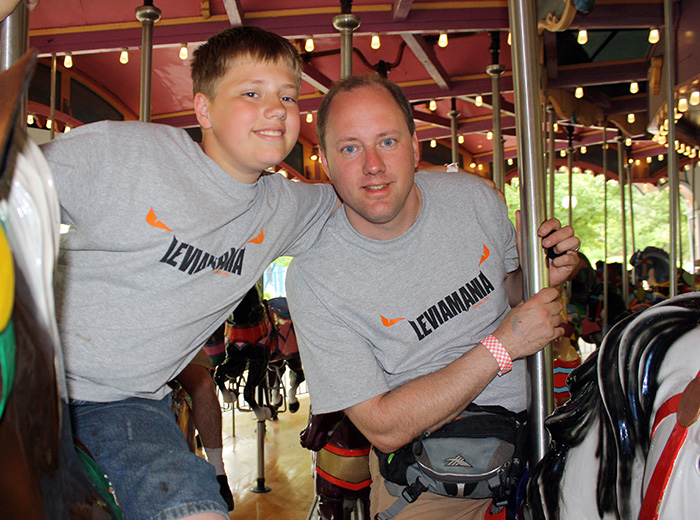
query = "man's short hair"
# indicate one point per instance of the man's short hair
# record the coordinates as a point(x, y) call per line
point(353, 82)
point(213, 59)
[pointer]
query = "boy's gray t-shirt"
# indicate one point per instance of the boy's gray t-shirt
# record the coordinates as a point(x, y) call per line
point(163, 245)
point(371, 315)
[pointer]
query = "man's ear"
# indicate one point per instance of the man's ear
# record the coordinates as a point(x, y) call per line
point(324, 162)
point(201, 110)
point(416, 148)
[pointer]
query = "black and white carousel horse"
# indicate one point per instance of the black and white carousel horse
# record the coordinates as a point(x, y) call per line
point(43, 473)
point(259, 339)
point(627, 444)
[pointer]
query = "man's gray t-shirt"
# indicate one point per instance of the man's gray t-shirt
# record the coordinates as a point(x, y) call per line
point(371, 315)
point(163, 245)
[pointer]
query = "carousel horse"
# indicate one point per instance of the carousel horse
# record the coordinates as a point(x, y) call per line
point(260, 340)
point(626, 445)
point(651, 269)
point(44, 473)
point(341, 465)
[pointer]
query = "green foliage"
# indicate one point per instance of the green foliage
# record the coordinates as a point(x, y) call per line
point(650, 211)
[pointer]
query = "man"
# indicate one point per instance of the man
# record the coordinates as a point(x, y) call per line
point(403, 305)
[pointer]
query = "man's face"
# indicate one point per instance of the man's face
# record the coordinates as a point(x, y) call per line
point(371, 156)
point(253, 121)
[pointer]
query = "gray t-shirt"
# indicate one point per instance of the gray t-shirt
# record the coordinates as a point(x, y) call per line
point(163, 245)
point(371, 315)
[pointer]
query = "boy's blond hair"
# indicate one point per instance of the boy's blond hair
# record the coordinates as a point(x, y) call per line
point(213, 59)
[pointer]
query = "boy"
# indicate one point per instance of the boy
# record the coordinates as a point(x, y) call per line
point(165, 239)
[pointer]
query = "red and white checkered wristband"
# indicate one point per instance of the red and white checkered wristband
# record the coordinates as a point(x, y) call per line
point(499, 352)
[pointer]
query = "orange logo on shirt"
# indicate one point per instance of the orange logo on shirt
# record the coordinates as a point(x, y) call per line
point(484, 255)
point(153, 221)
point(388, 323)
point(258, 239)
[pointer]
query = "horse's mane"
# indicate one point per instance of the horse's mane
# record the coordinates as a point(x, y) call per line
point(634, 349)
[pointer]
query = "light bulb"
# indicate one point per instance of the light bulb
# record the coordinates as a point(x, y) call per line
point(309, 45)
point(510, 161)
point(556, 127)
point(480, 167)
point(313, 157)
point(66, 129)
point(649, 159)
point(183, 52)
point(653, 35)
point(631, 118)
point(30, 119)
point(479, 101)
point(695, 98)
point(124, 56)
point(584, 149)
point(660, 157)
point(376, 42)
point(460, 139)
point(634, 87)
point(562, 153)
point(68, 60)
point(578, 93)
point(582, 37)
point(432, 106)
point(682, 104)
point(510, 39)
point(489, 135)
point(309, 117)
point(433, 143)
point(442, 40)
point(628, 141)
point(49, 124)
point(472, 165)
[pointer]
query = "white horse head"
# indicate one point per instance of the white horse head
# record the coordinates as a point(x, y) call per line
point(603, 461)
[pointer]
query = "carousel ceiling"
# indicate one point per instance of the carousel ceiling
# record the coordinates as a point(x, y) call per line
point(619, 72)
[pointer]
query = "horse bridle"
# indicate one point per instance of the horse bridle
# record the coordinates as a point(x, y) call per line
point(686, 406)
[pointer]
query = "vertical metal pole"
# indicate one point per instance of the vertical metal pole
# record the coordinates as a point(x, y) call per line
point(346, 23)
point(605, 229)
point(454, 114)
point(14, 38)
point(260, 486)
point(528, 117)
point(621, 178)
point(147, 14)
point(495, 72)
point(52, 97)
point(552, 160)
point(693, 219)
point(628, 167)
point(670, 70)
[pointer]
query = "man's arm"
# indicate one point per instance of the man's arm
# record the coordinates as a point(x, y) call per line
point(392, 419)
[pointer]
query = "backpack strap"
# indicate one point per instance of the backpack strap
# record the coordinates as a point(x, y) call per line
point(407, 495)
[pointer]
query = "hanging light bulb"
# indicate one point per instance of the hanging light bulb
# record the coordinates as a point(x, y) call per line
point(637, 162)
point(66, 129)
point(376, 42)
point(634, 87)
point(653, 35)
point(480, 167)
point(442, 39)
point(631, 118)
point(510, 38)
point(629, 161)
point(489, 135)
point(649, 159)
point(582, 37)
point(556, 127)
point(433, 143)
point(479, 101)
point(472, 165)
point(432, 106)
point(660, 157)
point(584, 149)
point(184, 53)
point(682, 104)
point(460, 139)
point(510, 161)
point(562, 153)
point(68, 60)
point(309, 117)
point(49, 124)
point(313, 157)
point(309, 45)
point(30, 119)
point(694, 98)
point(578, 93)
point(124, 56)
point(628, 141)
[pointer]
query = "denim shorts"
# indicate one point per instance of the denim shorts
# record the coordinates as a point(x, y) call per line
point(139, 445)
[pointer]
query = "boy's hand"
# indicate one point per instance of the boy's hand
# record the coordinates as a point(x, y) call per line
point(530, 325)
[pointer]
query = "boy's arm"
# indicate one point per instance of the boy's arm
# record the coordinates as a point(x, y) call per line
point(394, 418)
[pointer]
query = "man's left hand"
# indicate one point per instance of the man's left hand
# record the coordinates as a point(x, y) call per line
point(563, 243)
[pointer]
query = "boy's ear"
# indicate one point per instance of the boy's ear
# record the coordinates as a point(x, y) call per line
point(324, 162)
point(201, 110)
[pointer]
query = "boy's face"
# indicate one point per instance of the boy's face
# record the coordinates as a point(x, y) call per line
point(253, 121)
point(371, 156)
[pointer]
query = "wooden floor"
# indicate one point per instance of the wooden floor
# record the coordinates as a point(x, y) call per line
point(288, 467)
